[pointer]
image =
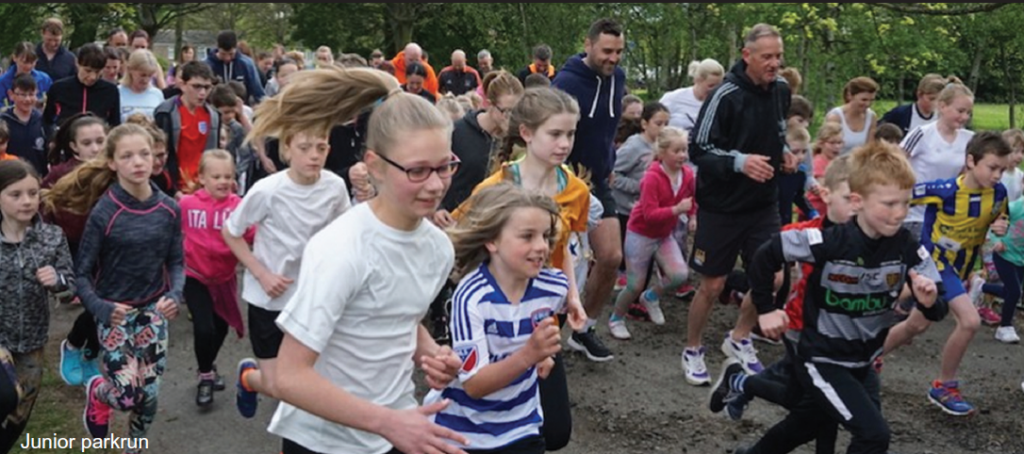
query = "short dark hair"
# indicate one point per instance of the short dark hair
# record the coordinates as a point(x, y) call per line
point(542, 52)
point(263, 54)
point(799, 105)
point(138, 34)
point(25, 50)
point(604, 26)
point(536, 80)
point(227, 40)
point(285, 61)
point(238, 88)
point(113, 53)
point(52, 25)
point(193, 69)
point(223, 96)
point(92, 56)
point(25, 82)
point(889, 133)
point(114, 31)
point(415, 69)
point(988, 142)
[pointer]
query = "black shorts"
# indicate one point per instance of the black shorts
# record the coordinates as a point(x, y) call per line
point(603, 192)
point(720, 238)
point(264, 334)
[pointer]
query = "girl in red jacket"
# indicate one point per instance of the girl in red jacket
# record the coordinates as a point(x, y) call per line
point(657, 229)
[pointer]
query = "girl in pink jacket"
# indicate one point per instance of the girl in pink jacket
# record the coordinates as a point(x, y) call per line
point(657, 230)
point(210, 279)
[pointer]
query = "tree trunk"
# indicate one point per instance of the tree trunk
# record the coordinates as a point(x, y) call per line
point(1009, 84)
point(85, 20)
point(526, 30)
point(402, 17)
point(179, 34)
point(899, 88)
point(733, 38)
point(804, 63)
point(972, 80)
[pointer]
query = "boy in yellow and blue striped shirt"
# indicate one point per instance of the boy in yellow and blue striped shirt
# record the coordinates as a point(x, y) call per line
point(958, 216)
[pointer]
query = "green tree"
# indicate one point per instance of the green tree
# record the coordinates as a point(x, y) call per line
point(20, 22)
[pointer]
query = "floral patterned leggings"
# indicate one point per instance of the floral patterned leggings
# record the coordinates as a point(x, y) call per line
point(134, 356)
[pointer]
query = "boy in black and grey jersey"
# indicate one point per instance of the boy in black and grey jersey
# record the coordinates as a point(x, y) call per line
point(859, 270)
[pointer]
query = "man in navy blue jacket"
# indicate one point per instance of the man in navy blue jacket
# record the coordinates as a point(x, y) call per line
point(52, 58)
point(597, 82)
point(229, 64)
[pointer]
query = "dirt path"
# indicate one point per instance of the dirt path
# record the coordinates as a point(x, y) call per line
point(637, 403)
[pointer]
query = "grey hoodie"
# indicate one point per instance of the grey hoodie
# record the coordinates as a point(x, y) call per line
point(24, 307)
point(631, 162)
point(168, 119)
point(131, 252)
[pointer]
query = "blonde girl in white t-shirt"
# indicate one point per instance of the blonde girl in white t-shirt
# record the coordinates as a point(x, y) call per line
point(352, 331)
point(937, 151)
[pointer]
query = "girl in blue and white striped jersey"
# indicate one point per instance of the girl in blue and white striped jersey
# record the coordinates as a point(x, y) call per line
point(502, 322)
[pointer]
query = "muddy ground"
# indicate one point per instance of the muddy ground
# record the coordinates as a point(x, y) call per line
point(637, 403)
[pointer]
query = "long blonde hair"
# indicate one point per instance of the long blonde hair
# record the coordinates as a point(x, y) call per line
point(316, 100)
point(486, 215)
point(79, 190)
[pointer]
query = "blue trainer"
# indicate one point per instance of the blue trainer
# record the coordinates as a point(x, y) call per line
point(246, 400)
point(71, 370)
point(947, 396)
point(90, 367)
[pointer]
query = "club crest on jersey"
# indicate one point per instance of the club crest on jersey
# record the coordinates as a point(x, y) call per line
point(892, 279)
point(203, 127)
point(539, 315)
point(469, 356)
point(698, 256)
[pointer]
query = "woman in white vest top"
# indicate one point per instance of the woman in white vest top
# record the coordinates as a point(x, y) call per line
point(856, 117)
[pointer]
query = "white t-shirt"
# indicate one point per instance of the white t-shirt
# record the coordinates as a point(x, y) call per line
point(145, 102)
point(361, 294)
point(932, 158)
point(287, 215)
point(486, 329)
point(1012, 179)
point(917, 120)
point(683, 108)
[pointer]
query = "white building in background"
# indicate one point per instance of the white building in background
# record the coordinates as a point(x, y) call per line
point(201, 40)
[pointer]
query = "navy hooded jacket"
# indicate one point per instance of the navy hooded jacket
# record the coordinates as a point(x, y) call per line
point(600, 100)
point(242, 69)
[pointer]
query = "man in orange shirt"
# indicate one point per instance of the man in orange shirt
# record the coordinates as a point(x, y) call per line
point(414, 53)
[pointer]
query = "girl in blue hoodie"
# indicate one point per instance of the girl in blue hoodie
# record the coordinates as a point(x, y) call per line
point(131, 276)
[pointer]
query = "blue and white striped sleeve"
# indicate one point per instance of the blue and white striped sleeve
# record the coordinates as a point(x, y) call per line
point(469, 339)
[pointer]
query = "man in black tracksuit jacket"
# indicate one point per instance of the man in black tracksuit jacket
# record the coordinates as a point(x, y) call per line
point(738, 144)
point(847, 315)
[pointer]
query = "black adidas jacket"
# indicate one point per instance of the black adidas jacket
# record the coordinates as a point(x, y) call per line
point(738, 119)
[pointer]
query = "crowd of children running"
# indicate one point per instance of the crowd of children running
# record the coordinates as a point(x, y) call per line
point(355, 205)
